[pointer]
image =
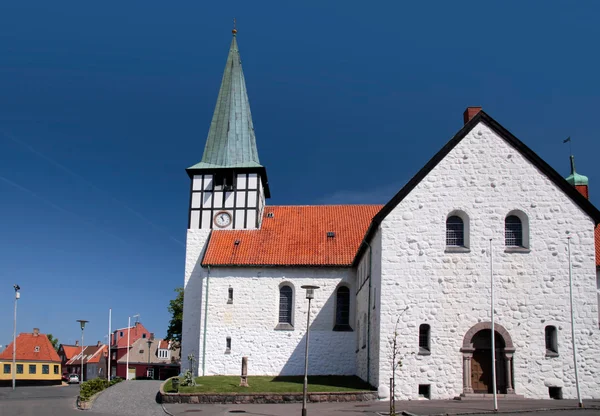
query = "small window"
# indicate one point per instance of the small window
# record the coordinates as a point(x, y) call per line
point(121, 333)
point(32, 368)
point(555, 393)
point(230, 295)
point(36, 349)
point(424, 339)
point(56, 369)
point(144, 336)
point(285, 305)
point(141, 351)
point(342, 309)
point(551, 341)
point(19, 368)
point(45, 369)
point(228, 345)
point(455, 231)
point(6, 368)
point(513, 231)
point(425, 391)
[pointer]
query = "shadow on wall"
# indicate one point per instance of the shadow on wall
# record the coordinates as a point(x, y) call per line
point(330, 352)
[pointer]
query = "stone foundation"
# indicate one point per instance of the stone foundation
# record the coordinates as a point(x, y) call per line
point(244, 398)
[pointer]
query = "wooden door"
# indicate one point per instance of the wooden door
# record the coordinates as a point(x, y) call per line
point(481, 371)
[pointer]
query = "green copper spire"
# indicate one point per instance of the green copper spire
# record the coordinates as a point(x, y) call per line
point(231, 142)
point(575, 178)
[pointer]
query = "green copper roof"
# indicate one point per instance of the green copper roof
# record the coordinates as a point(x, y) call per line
point(575, 178)
point(231, 142)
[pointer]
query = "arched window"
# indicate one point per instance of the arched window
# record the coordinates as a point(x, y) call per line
point(286, 299)
point(513, 231)
point(551, 341)
point(455, 231)
point(424, 339)
point(342, 309)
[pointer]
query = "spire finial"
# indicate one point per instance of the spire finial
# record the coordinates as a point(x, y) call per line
point(234, 31)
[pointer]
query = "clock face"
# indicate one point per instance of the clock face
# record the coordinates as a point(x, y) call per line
point(222, 219)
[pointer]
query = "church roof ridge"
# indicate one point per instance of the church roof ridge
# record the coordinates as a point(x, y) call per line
point(231, 142)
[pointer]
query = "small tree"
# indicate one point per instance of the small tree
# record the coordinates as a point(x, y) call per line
point(396, 362)
point(175, 324)
point(53, 341)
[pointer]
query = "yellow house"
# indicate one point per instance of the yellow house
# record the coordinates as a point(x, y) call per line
point(36, 361)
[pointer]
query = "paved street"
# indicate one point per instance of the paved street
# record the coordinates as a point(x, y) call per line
point(425, 407)
point(40, 401)
point(130, 398)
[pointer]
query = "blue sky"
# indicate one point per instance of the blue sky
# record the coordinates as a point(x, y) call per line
point(104, 105)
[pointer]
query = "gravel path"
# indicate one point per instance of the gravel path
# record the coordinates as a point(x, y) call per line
point(130, 398)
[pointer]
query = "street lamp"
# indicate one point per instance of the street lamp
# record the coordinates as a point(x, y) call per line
point(82, 323)
point(148, 367)
point(14, 366)
point(310, 294)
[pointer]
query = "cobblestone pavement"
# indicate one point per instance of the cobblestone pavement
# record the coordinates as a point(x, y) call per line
point(416, 407)
point(129, 398)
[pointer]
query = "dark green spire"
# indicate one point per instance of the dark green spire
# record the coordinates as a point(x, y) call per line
point(231, 142)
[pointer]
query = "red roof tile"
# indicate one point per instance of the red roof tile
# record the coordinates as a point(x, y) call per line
point(164, 344)
point(295, 236)
point(26, 346)
point(597, 234)
point(71, 351)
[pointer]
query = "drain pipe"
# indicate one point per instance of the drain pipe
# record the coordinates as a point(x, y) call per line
point(369, 314)
point(205, 322)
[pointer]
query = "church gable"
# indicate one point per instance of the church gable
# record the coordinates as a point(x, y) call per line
point(472, 129)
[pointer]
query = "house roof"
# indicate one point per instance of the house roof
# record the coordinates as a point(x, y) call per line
point(164, 344)
point(70, 350)
point(139, 353)
point(231, 142)
point(91, 354)
point(136, 332)
point(527, 153)
point(26, 349)
point(294, 236)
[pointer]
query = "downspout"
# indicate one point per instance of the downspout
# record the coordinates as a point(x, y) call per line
point(205, 322)
point(369, 314)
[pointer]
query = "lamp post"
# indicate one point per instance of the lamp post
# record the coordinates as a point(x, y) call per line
point(14, 363)
point(82, 323)
point(310, 294)
point(148, 367)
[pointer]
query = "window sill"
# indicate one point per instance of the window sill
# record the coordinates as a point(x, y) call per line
point(228, 351)
point(343, 328)
point(284, 327)
point(423, 351)
point(551, 354)
point(230, 302)
point(524, 250)
point(457, 249)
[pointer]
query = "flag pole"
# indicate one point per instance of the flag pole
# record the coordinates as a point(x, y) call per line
point(128, 332)
point(493, 331)
point(580, 403)
point(109, 352)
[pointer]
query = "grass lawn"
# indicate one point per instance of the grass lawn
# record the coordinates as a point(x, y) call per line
point(270, 384)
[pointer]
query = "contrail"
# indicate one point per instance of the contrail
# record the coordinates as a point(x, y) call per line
point(59, 208)
point(87, 181)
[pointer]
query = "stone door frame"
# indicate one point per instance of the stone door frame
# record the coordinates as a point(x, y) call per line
point(467, 351)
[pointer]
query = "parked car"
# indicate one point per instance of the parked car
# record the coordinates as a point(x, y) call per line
point(73, 378)
point(65, 377)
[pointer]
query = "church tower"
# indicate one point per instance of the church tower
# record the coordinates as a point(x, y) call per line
point(229, 185)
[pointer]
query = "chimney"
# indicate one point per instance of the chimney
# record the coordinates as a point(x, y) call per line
point(77, 343)
point(152, 336)
point(36, 332)
point(580, 182)
point(470, 112)
point(99, 344)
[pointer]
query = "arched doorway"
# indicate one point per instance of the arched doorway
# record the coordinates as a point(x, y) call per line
point(477, 360)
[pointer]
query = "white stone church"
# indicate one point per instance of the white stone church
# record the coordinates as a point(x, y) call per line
point(422, 260)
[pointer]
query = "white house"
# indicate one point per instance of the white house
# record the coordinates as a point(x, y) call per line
point(422, 262)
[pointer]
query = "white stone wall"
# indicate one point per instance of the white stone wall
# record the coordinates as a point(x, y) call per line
point(192, 299)
point(251, 319)
point(487, 178)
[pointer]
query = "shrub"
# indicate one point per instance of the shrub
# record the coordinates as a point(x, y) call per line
point(188, 379)
point(91, 387)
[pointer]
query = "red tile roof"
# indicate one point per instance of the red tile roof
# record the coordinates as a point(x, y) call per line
point(164, 344)
point(295, 236)
point(597, 234)
point(71, 351)
point(137, 332)
point(91, 354)
point(26, 345)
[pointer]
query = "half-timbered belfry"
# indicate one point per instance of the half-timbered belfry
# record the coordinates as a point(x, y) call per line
point(229, 185)
point(419, 266)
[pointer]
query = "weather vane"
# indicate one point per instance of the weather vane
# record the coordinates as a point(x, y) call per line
point(234, 31)
point(568, 140)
